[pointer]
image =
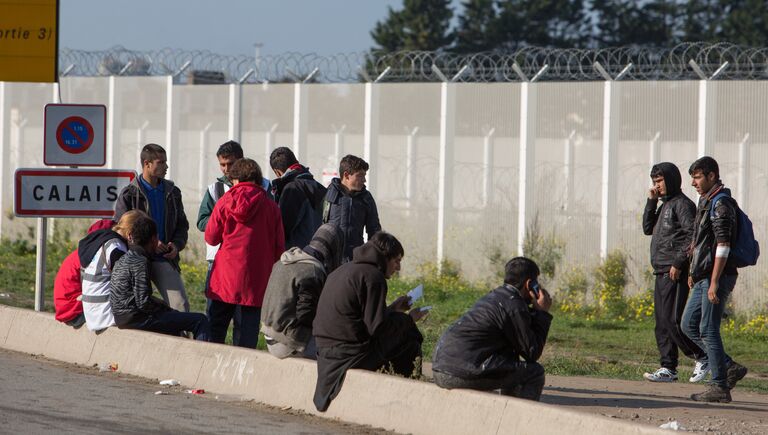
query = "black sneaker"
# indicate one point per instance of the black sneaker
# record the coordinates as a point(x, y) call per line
point(713, 394)
point(736, 372)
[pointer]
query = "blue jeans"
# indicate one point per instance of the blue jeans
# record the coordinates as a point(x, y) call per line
point(701, 323)
point(173, 322)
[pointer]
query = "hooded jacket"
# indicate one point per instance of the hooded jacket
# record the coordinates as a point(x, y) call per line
point(709, 231)
point(351, 211)
point(291, 298)
point(133, 197)
point(670, 225)
point(99, 251)
point(300, 199)
point(67, 289)
point(490, 338)
point(249, 228)
point(352, 307)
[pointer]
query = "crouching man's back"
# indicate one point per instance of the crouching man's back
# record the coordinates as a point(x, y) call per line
point(483, 349)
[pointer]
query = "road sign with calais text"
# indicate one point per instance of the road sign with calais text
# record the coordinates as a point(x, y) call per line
point(75, 135)
point(47, 192)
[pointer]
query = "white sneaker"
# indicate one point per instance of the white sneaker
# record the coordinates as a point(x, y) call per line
point(661, 375)
point(700, 371)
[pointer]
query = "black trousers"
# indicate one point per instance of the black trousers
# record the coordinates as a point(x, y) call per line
point(524, 380)
point(669, 298)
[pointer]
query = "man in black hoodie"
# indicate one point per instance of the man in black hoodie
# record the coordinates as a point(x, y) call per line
point(299, 197)
point(671, 226)
point(354, 328)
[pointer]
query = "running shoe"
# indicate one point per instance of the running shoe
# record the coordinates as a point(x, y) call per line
point(700, 371)
point(661, 375)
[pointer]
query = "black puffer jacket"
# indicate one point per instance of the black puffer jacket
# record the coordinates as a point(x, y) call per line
point(351, 211)
point(708, 232)
point(131, 297)
point(496, 331)
point(671, 224)
point(300, 198)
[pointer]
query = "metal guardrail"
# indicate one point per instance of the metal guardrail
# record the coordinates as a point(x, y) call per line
point(688, 61)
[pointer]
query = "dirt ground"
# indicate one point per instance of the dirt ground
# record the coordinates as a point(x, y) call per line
point(656, 403)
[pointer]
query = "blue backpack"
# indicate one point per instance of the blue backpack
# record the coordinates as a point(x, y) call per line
point(744, 249)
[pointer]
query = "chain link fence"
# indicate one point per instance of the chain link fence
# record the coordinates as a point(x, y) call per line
point(724, 60)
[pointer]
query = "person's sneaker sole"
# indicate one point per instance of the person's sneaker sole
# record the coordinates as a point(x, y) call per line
point(650, 377)
point(720, 400)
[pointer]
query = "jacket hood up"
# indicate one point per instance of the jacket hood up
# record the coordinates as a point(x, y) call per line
point(369, 254)
point(246, 200)
point(297, 255)
point(672, 178)
point(89, 246)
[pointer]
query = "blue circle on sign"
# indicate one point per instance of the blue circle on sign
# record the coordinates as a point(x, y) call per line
point(74, 135)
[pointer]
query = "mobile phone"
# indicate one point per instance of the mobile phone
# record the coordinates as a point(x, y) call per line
point(535, 288)
point(426, 308)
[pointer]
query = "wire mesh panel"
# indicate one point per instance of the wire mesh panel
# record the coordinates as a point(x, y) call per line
point(140, 117)
point(406, 184)
point(568, 168)
point(267, 121)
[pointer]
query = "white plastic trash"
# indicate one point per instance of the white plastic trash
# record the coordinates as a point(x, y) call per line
point(672, 425)
point(170, 382)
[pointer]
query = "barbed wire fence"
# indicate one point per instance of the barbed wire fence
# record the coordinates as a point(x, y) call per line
point(688, 61)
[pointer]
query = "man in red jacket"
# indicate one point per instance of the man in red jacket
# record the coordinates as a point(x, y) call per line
point(249, 228)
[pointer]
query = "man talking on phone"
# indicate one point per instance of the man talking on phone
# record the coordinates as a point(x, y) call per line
point(671, 227)
point(483, 349)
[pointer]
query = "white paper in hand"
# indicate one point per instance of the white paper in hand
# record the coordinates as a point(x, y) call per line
point(417, 293)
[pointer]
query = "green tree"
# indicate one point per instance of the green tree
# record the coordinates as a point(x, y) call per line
point(478, 27)
point(420, 25)
point(546, 23)
point(654, 23)
point(746, 23)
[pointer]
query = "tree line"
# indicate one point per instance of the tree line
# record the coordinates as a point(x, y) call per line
point(507, 25)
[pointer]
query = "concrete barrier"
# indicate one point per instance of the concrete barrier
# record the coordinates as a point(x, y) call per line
point(392, 403)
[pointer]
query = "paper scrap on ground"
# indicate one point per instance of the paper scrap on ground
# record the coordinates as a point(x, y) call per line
point(674, 425)
point(417, 293)
point(161, 393)
point(169, 382)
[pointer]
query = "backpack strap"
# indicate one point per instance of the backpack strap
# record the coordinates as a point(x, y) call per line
point(713, 202)
point(218, 188)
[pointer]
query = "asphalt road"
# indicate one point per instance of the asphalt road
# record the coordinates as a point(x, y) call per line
point(43, 396)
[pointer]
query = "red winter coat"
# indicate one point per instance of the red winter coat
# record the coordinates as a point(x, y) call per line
point(67, 288)
point(249, 227)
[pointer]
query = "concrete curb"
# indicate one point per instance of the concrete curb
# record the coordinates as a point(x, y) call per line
point(397, 404)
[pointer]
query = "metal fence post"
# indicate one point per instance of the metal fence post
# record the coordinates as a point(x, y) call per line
point(203, 158)
point(568, 160)
point(487, 197)
point(338, 143)
point(611, 124)
point(410, 167)
point(707, 119)
point(743, 192)
point(300, 120)
point(654, 150)
point(4, 145)
point(171, 129)
point(445, 171)
point(113, 122)
point(371, 132)
point(526, 180)
point(269, 144)
point(42, 236)
point(234, 112)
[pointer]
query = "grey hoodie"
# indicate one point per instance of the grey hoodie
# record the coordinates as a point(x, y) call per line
point(291, 298)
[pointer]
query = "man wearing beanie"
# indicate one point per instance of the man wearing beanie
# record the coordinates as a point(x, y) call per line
point(293, 290)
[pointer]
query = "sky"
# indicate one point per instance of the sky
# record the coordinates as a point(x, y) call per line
point(223, 26)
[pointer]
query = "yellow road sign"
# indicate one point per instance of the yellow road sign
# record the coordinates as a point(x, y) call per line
point(29, 33)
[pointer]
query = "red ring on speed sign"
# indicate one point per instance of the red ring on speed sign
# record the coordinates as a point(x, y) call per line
point(74, 135)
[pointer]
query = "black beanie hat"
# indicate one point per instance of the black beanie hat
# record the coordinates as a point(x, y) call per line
point(329, 242)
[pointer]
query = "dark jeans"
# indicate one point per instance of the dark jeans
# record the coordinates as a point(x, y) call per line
point(397, 349)
point(173, 322)
point(525, 382)
point(701, 323)
point(669, 299)
point(245, 332)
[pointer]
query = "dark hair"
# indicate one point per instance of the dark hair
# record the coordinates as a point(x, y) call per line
point(706, 165)
point(151, 152)
point(230, 148)
point(282, 158)
point(352, 164)
point(245, 170)
point(144, 228)
point(656, 171)
point(519, 270)
point(387, 244)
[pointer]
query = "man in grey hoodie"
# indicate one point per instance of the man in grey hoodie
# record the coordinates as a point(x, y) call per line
point(294, 287)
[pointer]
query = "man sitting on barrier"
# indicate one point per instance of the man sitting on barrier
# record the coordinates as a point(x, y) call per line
point(131, 299)
point(482, 350)
point(353, 326)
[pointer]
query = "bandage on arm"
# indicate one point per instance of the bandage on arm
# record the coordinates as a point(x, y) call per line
point(722, 251)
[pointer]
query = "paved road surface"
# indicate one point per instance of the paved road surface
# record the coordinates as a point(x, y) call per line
point(43, 396)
